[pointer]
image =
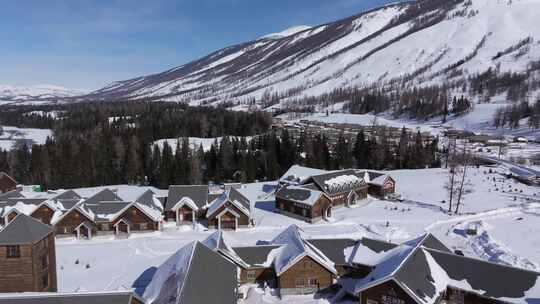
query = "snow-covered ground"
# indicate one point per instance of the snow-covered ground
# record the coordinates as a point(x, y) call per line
point(508, 230)
point(12, 135)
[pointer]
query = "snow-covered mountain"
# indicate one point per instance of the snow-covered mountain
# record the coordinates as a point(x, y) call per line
point(35, 94)
point(420, 42)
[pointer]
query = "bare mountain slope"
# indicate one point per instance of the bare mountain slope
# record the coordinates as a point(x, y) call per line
point(419, 42)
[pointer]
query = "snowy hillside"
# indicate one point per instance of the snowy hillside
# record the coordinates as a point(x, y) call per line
point(38, 93)
point(423, 42)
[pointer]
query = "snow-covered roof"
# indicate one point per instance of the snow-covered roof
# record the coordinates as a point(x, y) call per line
point(234, 197)
point(299, 174)
point(219, 241)
point(338, 181)
point(425, 268)
point(295, 247)
point(194, 274)
point(299, 194)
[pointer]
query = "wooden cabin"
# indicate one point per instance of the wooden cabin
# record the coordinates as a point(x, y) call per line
point(303, 203)
point(229, 211)
point(343, 188)
point(186, 203)
point(27, 256)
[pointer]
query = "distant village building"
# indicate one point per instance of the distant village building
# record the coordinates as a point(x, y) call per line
point(27, 256)
point(7, 183)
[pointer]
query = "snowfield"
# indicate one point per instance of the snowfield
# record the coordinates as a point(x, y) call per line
point(508, 226)
point(13, 135)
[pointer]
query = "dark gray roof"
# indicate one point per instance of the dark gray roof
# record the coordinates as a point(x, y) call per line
point(320, 180)
point(78, 298)
point(68, 203)
point(28, 201)
point(147, 199)
point(299, 194)
point(334, 249)
point(105, 208)
point(105, 195)
point(427, 272)
point(213, 196)
point(24, 230)
point(486, 276)
point(69, 194)
point(377, 245)
point(10, 194)
point(194, 275)
point(255, 255)
point(219, 287)
point(197, 193)
point(235, 195)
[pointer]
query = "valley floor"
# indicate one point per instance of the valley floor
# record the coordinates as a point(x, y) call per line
point(508, 224)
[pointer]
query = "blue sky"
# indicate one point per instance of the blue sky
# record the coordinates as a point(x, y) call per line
point(87, 44)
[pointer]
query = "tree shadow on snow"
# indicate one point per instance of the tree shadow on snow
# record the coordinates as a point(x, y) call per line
point(143, 280)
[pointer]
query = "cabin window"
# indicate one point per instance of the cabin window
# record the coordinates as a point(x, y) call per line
point(105, 227)
point(13, 252)
point(45, 281)
point(313, 282)
point(44, 262)
point(143, 226)
point(299, 282)
point(251, 274)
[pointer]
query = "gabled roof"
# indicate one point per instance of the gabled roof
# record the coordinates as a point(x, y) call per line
point(298, 194)
point(299, 174)
point(334, 249)
point(10, 194)
point(193, 275)
point(338, 181)
point(24, 230)
point(295, 247)
point(105, 195)
point(104, 210)
point(218, 242)
point(425, 273)
point(149, 198)
point(69, 194)
point(234, 197)
point(197, 193)
point(257, 256)
point(119, 297)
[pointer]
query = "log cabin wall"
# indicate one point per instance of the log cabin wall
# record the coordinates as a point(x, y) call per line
point(44, 214)
point(243, 220)
point(386, 293)
point(26, 273)
point(137, 219)
point(306, 274)
point(70, 221)
point(257, 275)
